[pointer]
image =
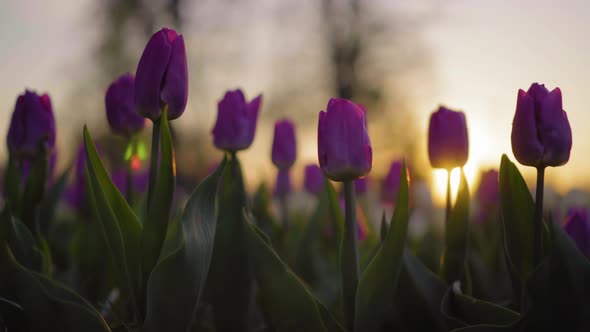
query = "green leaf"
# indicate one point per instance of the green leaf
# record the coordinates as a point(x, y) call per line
point(463, 310)
point(419, 290)
point(49, 305)
point(289, 305)
point(559, 288)
point(120, 225)
point(261, 209)
point(229, 282)
point(335, 212)
point(308, 250)
point(34, 190)
point(177, 281)
point(457, 229)
point(378, 283)
point(517, 208)
point(384, 228)
point(21, 241)
point(156, 222)
point(51, 200)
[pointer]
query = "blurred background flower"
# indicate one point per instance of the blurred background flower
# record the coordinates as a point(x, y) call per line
point(400, 60)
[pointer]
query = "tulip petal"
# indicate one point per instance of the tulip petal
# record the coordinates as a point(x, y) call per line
point(150, 74)
point(526, 145)
point(175, 85)
point(554, 130)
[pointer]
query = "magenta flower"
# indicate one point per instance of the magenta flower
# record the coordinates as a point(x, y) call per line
point(236, 121)
point(32, 125)
point(448, 142)
point(361, 185)
point(120, 106)
point(541, 132)
point(162, 76)
point(139, 181)
point(344, 147)
point(313, 179)
point(391, 183)
point(284, 145)
point(577, 225)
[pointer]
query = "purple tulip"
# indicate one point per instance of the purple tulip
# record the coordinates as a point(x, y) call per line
point(391, 183)
point(488, 192)
point(313, 179)
point(284, 145)
point(139, 181)
point(120, 106)
point(577, 225)
point(236, 121)
point(283, 183)
point(448, 142)
point(32, 125)
point(75, 194)
point(162, 76)
point(361, 185)
point(541, 132)
point(344, 147)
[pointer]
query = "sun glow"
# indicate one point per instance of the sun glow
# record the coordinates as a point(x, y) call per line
point(440, 181)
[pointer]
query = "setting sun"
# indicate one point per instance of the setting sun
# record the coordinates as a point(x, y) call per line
point(440, 181)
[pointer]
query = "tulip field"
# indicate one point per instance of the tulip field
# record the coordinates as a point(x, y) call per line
point(133, 257)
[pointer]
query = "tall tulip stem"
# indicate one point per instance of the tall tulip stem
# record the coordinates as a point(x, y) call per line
point(538, 221)
point(284, 211)
point(349, 256)
point(129, 182)
point(154, 158)
point(448, 211)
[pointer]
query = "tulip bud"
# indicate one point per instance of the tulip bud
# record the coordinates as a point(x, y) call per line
point(283, 184)
point(236, 121)
point(577, 225)
point(32, 126)
point(391, 182)
point(313, 179)
point(120, 106)
point(448, 143)
point(162, 76)
point(541, 132)
point(361, 185)
point(344, 147)
point(284, 146)
point(139, 181)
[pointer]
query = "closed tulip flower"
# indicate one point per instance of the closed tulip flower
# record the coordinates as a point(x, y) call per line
point(448, 143)
point(32, 125)
point(541, 132)
point(284, 145)
point(236, 121)
point(344, 147)
point(162, 76)
point(313, 179)
point(488, 192)
point(391, 182)
point(120, 107)
point(577, 225)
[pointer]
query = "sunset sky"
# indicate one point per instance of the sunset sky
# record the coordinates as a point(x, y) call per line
point(482, 53)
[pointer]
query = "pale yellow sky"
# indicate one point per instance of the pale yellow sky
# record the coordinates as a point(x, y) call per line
point(482, 53)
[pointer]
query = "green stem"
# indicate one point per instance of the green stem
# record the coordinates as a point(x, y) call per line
point(129, 182)
point(284, 211)
point(448, 211)
point(349, 257)
point(538, 221)
point(154, 160)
